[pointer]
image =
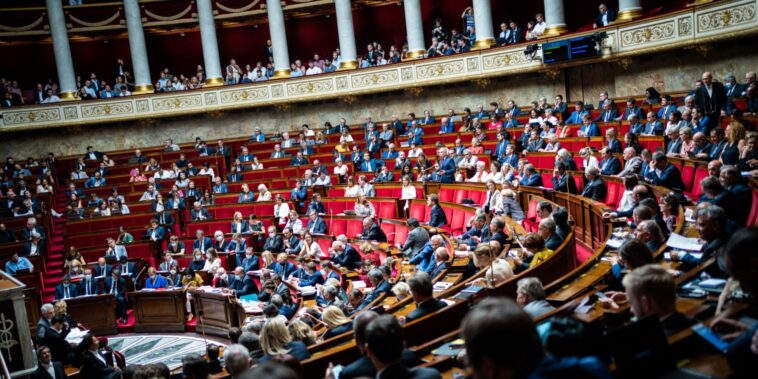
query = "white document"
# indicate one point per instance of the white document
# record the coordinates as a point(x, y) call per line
point(680, 242)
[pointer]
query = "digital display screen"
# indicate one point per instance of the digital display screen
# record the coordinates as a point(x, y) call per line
point(575, 48)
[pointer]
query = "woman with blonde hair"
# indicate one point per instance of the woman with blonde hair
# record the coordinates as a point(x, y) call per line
point(735, 143)
point(336, 322)
point(263, 193)
point(363, 207)
point(300, 331)
point(498, 269)
point(239, 224)
point(281, 209)
point(401, 290)
point(61, 309)
point(267, 260)
point(352, 189)
point(588, 158)
point(276, 340)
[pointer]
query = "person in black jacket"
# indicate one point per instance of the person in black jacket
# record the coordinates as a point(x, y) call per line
point(55, 339)
point(422, 292)
point(437, 216)
point(595, 188)
point(93, 364)
point(372, 231)
point(562, 180)
point(344, 255)
point(47, 365)
point(711, 98)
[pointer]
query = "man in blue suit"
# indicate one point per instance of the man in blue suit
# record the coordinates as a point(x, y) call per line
point(156, 234)
point(202, 242)
point(501, 146)
point(437, 216)
point(390, 153)
point(447, 166)
point(299, 160)
point(316, 225)
point(631, 108)
point(562, 180)
point(116, 286)
point(447, 126)
point(653, 127)
point(308, 275)
point(241, 283)
point(381, 286)
point(588, 128)
point(595, 188)
point(369, 164)
point(531, 178)
point(663, 173)
point(283, 267)
point(578, 114)
point(635, 126)
point(89, 285)
point(372, 231)
point(66, 289)
point(608, 114)
point(248, 261)
point(610, 165)
point(373, 145)
point(667, 106)
point(424, 259)
point(344, 255)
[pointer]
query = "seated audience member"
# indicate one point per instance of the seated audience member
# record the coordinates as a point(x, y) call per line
point(18, 264)
point(154, 280)
point(610, 165)
point(372, 231)
point(498, 270)
point(437, 216)
point(663, 173)
point(66, 289)
point(93, 363)
point(649, 232)
point(531, 296)
point(547, 230)
point(421, 289)
point(732, 180)
point(535, 253)
point(385, 346)
point(651, 291)
point(562, 179)
point(595, 188)
point(711, 223)
point(48, 368)
point(276, 340)
point(632, 254)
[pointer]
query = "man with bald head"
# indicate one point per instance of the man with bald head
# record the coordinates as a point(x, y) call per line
point(711, 98)
point(632, 163)
point(714, 168)
point(702, 146)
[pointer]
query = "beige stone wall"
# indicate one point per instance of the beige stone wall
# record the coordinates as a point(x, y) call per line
point(673, 71)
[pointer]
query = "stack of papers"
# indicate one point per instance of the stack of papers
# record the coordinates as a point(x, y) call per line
point(461, 254)
point(359, 284)
point(614, 244)
point(680, 242)
point(439, 286)
point(307, 290)
point(76, 335)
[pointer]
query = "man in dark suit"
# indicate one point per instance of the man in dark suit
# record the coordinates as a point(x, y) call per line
point(55, 339)
point(562, 180)
point(31, 225)
point(165, 219)
point(384, 346)
point(316, 225)
point(88, 285)
point(102, 269)
point(531, 178)
point(273, 242)
point(241, 283)
point(202, 242)
point(711, 98)
point(663, 173)
point(447, 166)
point(595, 188)
point(517, 34)
point(47, 369)
point(381, 286)
point(95, 365)
point(156, 234)
point(605, 17)
point(440, 264)
point(35, 246)
point(421, 290)
point(116, 286)
point(609, 113)
point(66, 289)
point(546, 230)
point(362, 367)
point(733, 182)
point(344, 255)
point(417, 238)
point(610, 165)
point(437, 216)
point(372, 231)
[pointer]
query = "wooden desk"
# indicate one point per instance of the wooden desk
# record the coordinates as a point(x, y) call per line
point(97, 313)
point(216, 313)
point(584, 281)
point(159, 311)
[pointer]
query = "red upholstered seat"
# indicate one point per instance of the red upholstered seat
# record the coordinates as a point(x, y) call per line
point(688, 177)
point(458, 221)
point(530, 223)
point(752, 218)
point(418, 211)
point(700, 174)
point(386, 209)
point(389, 230)
point(477, 196)
point(547, 180)
point(337, 227)
point(579, 180)
point(460, 194)
point(615, 190)
point(446, 195)
point(354, 228)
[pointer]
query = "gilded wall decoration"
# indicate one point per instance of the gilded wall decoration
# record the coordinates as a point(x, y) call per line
point(472, 64)
point(70, 113)
point(277, 90)
point(685, 26)
point(648, 34)
point(36, 116)
point(437, 70)
point(406, 73)
point(143, 106)
point(726, 17)
point(168, 103)
point(243, 95)
point(310, 87)
point(374, 79)
point(109, 109)
point(341, 82)
point(211, 99)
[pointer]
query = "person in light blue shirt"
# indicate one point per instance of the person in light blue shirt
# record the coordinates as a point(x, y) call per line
point(578, 114)
point(17, 263)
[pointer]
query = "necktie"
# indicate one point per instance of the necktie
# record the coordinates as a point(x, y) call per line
point(163, 220)
point(606, 116)
point(65, 292)
point(202, 245)
point(88, 287)
point(113, 286)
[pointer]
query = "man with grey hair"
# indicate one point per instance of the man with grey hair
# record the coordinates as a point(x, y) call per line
point(47, 311)
point(447, 166)
point(343, 254)
point(546, 230)
point(650, 233)
point(252, 343)
point(417, 238)
point(423, 295)
point(531, 177)
point(632, 163)
point(689, 103)
point(469, 160)
point(663, 173)
point(711, 224)
point(531, 296)
point(237, 360)
point(380, 285)
point(595, 188)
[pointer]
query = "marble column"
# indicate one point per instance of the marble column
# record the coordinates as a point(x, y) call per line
point(278, 38)
point(213, 76)
point(142, 81)
point(346, 32)
point(629, 10)
point(415, 28)
point(485, 37)
point(555, 18)
point(63, 62)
